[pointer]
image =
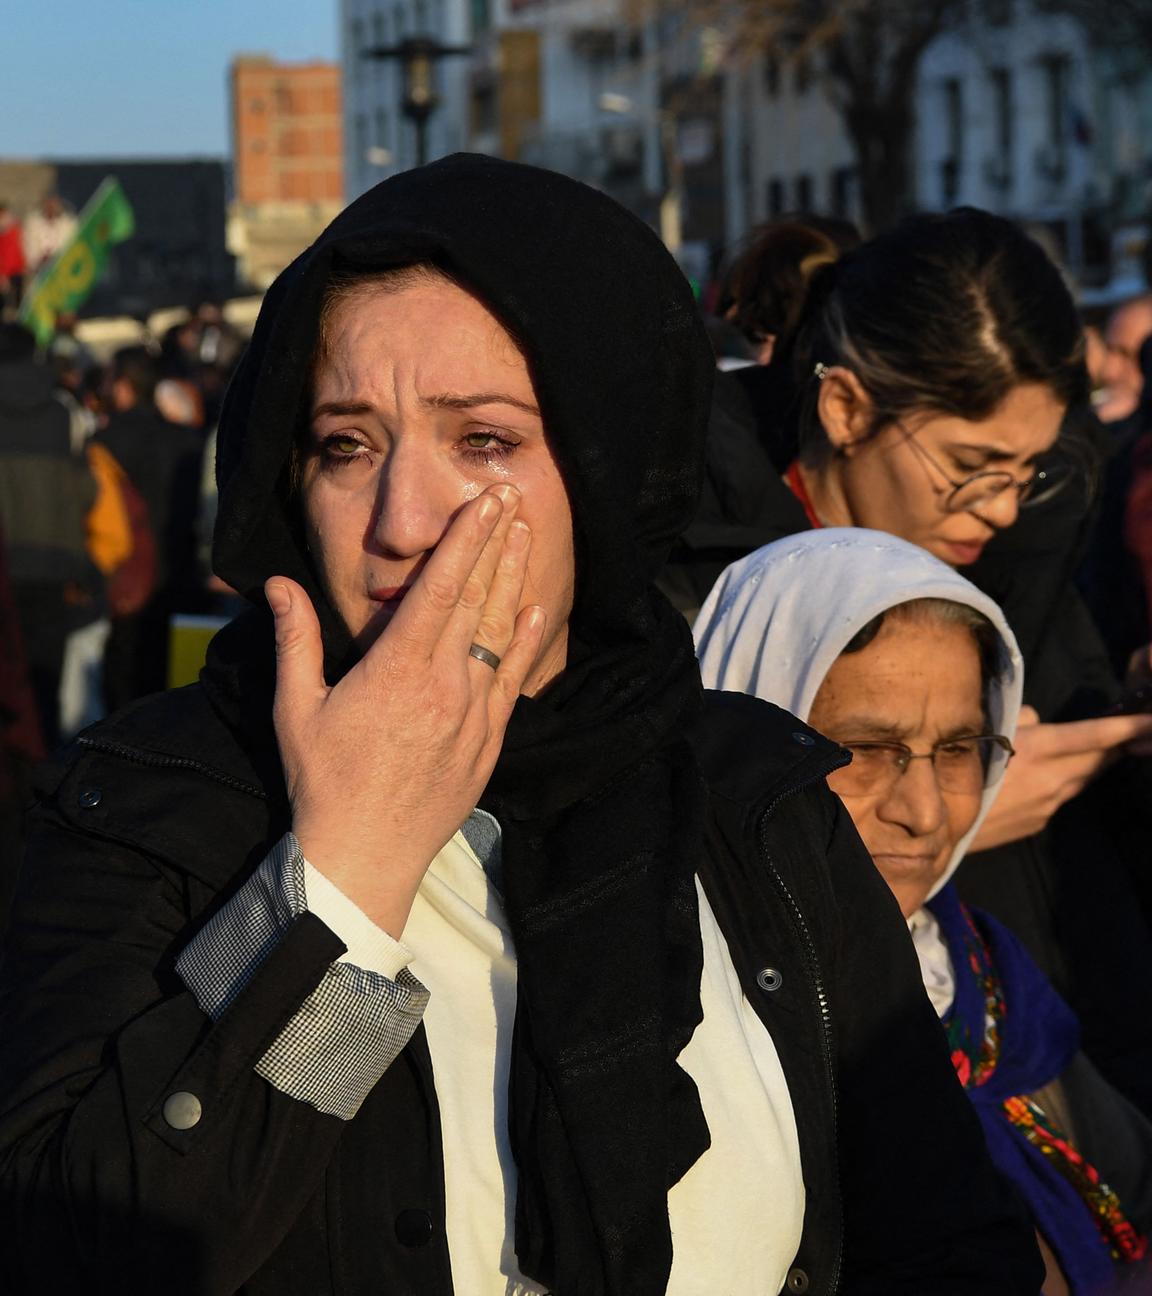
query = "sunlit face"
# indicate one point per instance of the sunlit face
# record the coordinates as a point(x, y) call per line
point(888, 486)
point(916, 683)
point(1128, 329)
point(421, 400)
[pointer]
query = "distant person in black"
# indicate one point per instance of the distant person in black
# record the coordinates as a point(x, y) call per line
point(46, 490)
point(162, 461)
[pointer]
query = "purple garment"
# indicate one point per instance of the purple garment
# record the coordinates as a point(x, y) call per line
point(1039, 1035)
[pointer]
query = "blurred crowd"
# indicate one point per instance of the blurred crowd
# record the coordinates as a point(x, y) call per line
point(932, 389)
point(107, 498)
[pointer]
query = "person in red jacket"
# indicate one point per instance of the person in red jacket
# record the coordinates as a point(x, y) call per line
point(11, 259)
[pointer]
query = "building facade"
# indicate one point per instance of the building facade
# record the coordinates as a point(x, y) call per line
point(1022, 113)
point(1018, 110)
point(287, 160)
point(378, 139)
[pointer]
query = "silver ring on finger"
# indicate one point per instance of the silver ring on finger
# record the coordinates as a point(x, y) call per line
point(485, 655)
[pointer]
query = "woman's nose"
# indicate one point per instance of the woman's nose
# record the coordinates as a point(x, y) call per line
point(1001, 510)
point(915, 801)
point(414, 504)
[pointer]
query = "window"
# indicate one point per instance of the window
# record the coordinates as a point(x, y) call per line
point(842, 186)
point(420, 18)
point(361, 140)
point(1003, 127)
point(1055, 70)
point(804, 193)
point(775, 198)
point(399, 22)
point(379, 34)
point(1052, 155)
point(381, 140)
point(802, 76)
point(953, 160)
point(771, 75)
point(481, 15)
point(356, 45)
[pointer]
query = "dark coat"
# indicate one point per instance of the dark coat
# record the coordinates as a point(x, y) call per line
point(159, 813)
point(45, 489)
point(163, 461)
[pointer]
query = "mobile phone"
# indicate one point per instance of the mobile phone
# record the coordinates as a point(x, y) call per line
point(1133, 701)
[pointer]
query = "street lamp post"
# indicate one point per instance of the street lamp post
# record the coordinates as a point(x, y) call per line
point(418, 98)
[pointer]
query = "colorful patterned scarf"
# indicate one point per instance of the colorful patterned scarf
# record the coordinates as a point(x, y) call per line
point(1002, 1057)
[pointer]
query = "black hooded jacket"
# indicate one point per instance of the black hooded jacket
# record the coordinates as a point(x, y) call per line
point(161, 813)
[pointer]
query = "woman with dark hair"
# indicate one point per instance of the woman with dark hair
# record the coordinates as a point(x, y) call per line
point(915, 672)
point(763, 289)
point(464, 944)
point(923, 392)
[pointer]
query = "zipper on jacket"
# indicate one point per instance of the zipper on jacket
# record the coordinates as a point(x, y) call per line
point(821, 772)
point(156, 761)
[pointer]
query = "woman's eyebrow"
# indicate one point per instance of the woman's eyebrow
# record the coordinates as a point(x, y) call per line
point(450, 400)
point(991, 454)
point(342, 407)
point(864, 727)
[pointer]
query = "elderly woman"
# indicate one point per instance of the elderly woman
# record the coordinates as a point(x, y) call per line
point(464, 944)
point(915, 672)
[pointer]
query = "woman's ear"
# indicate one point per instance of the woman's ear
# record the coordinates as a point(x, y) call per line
point(845, 409)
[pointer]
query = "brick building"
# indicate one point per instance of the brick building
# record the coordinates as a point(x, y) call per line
point(288, 167)
point(286, 131)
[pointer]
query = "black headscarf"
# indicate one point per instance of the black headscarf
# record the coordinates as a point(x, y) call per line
point(596, 789)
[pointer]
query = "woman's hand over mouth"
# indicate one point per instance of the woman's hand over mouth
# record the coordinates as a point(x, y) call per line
point(385, 766)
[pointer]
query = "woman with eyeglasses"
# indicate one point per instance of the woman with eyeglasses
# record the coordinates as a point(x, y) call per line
point(915, 672)
point(934, 387)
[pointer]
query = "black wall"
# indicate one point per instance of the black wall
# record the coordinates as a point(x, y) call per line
point(178, 253)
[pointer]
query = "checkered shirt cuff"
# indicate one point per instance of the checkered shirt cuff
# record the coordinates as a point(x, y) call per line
point(348, 1031)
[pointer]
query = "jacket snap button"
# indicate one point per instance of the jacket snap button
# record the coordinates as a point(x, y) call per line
point(797, 1281)
point(182, 1110)
point(414, 1228)
point(90, 797)
point(769, 979)
point(805, 740)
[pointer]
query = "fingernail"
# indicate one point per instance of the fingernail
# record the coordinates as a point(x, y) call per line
point(519, 534)
point(490, 507)
point(507, 494)
point(536, 617)
point(279, 597)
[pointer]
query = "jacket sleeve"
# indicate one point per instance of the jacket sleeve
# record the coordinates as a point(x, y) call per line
point(345, 1034)
point(924, 1209)
point(140, 1148)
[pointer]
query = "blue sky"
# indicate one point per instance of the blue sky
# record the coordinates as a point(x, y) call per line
point(139, 78)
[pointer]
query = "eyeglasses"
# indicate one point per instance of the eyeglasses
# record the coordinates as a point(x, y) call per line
point(968, 764)
point(983, 487)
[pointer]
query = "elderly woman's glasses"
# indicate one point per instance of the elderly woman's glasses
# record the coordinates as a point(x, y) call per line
point(966, 764)
point(983, 487)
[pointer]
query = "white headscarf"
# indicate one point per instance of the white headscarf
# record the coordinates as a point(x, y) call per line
point(776, 621)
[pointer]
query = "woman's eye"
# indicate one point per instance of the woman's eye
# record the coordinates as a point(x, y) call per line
point(487, 445)
point(342, 445)
point(342, 449)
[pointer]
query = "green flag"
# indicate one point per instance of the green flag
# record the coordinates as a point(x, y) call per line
point(69, 277)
